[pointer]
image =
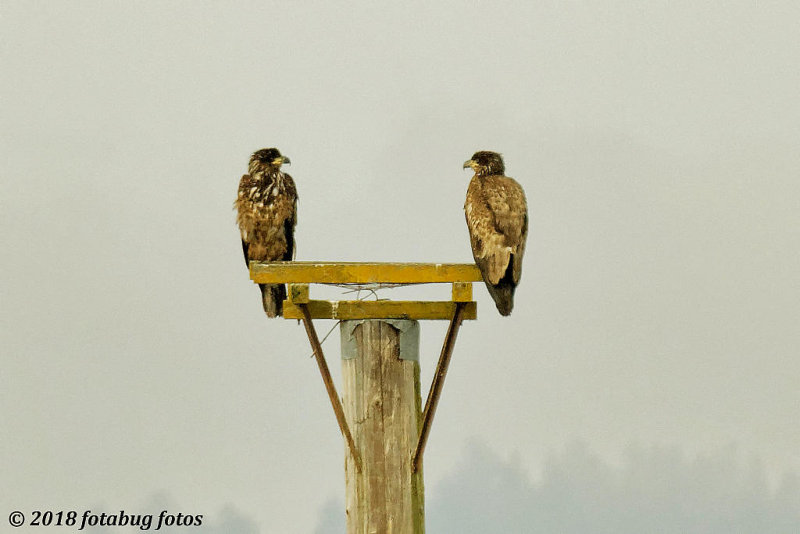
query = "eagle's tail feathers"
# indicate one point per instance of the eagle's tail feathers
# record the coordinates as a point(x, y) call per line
point(503, 295)
point(272, 297)
point(503, 291)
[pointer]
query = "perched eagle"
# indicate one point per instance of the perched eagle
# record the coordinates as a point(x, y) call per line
point(497, 218)
point(267, 213)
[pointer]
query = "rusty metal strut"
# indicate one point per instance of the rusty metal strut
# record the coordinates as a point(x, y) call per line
point(438, 382)
point(331, 389)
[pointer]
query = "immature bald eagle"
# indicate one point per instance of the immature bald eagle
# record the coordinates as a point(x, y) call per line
point(267, 213)
point(497, 218)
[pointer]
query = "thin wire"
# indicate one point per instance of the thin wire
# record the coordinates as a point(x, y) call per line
point(358, 288)
point(373, 289)
point(326, 335)
point(367, 287)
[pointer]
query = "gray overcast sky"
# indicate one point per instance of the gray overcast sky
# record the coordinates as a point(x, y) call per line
point(660, 303)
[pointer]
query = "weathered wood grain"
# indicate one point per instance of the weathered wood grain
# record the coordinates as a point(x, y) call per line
point(381, 397)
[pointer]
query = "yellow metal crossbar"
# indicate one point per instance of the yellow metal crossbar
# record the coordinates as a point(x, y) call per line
point(299, 274)
point(378, 309)
point(288, 272)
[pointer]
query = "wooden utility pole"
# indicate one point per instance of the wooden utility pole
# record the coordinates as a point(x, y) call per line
point(379, 414)
point(381, 398)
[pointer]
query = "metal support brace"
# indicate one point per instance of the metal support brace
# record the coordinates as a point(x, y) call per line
point(438, 383)
point(331, 389)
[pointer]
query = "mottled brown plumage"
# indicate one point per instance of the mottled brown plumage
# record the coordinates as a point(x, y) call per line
point(497, 218)
point(266, 207)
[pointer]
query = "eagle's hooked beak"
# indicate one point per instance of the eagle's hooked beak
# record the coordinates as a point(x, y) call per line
point(469, 163)
point(282, 160)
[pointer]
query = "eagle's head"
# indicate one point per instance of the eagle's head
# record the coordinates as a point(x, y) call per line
point(267, 159)
point(486, 163)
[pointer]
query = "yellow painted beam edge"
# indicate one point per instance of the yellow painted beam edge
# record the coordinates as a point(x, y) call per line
point(287, 272)
point(381, 309)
